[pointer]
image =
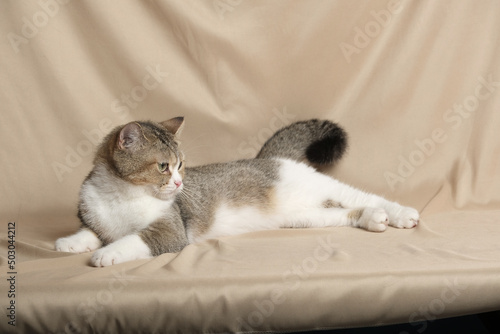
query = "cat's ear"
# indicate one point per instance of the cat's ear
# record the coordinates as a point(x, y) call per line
point(130, 136)
point(174, 125)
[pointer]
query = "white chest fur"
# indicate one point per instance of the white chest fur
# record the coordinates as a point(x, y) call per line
point(121, 208)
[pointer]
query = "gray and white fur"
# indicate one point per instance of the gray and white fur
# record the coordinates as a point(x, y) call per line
point(140, 200)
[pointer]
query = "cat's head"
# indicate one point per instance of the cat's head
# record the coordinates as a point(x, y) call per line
point(147, 154)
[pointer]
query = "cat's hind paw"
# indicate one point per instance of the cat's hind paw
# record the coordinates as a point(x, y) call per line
point(406, 217)
point(373, 219)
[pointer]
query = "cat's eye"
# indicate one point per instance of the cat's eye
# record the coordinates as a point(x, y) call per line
point(163, 167)
point(180, 165)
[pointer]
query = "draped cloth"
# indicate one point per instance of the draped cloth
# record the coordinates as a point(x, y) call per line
point(416, 85)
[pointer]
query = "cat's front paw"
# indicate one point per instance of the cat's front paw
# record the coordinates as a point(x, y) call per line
point(107, 256)
point(404, 217)
point(126, 249)
point(81, 242)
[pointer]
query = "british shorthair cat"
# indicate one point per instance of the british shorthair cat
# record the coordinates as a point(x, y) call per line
point(141, 200)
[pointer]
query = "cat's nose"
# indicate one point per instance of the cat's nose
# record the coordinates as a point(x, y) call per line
point(177, 183)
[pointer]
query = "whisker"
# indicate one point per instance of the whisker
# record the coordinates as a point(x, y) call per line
point(188, 202)
point(192, 199)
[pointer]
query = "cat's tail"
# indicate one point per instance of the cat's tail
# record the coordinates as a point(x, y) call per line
point(315, 142)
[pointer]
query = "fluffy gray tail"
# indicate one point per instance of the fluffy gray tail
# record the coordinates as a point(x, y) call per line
point(316, 142)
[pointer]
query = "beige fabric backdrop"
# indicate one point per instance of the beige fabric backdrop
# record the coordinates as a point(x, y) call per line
point(415, 83)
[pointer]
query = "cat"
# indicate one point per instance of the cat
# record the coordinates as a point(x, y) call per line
point(141, 200)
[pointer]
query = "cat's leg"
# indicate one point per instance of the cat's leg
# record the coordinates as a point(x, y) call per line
point(162, 236)
point(371, 219)
point(316, 190)
point(128, 248)
point(399, 216)
point(85, 240)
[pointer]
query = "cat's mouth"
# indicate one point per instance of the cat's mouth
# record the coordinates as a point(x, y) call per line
point(168, 192)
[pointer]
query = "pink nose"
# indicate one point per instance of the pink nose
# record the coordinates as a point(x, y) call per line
point(177, 183)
